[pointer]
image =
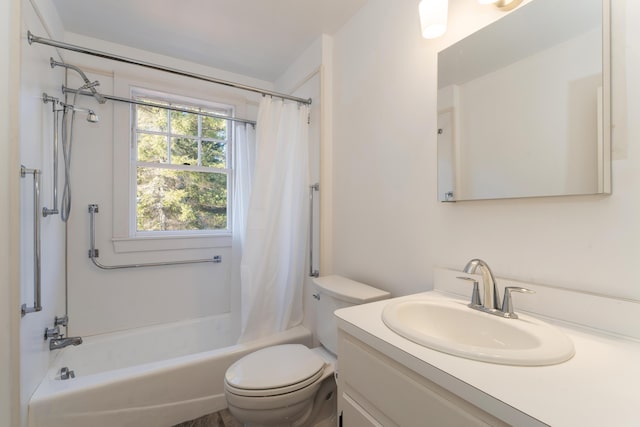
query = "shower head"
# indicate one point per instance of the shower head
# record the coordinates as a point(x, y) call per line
point(88, 84)
point(92, 117)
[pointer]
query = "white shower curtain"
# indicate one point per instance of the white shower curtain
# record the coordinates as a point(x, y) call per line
point(273, 258)
point(244, 165)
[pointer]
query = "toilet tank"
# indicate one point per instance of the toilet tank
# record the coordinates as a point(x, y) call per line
point(336, 292)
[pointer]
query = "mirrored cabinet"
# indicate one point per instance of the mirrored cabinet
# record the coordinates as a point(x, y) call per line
point(524, 105)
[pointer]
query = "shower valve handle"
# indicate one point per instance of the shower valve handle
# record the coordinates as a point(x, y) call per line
point(51, 333)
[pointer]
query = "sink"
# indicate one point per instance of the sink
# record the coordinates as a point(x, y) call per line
point(451, 327)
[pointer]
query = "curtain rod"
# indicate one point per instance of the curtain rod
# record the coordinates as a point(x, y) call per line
point(153, 104)
point(35, 39)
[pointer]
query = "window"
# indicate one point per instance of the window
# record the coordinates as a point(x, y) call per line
point(182, 165)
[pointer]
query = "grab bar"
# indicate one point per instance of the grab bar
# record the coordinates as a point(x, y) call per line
point(312, 188)
point(93, 252)
point(37, 302)
point(56, 144)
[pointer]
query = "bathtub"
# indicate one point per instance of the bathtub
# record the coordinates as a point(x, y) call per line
point(147, 377)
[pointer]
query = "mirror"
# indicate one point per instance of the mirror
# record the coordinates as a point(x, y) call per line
point(523, 105)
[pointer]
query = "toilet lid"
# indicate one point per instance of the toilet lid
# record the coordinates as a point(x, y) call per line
point(274, 367)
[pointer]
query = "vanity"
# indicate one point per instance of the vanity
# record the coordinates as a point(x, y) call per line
point(385, 379)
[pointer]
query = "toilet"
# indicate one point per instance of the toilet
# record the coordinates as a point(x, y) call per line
point(291, 385)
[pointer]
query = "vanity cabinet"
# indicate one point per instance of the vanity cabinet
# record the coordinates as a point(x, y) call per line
point(374, 390)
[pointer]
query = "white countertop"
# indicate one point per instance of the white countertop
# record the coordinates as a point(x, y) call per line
point(599, 386)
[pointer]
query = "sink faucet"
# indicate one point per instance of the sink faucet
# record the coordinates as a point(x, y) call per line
point(58, 343)
point(491, 300)
point(491, 303)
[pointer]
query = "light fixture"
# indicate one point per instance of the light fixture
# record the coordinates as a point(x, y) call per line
point(433, 17)
point(505, 5)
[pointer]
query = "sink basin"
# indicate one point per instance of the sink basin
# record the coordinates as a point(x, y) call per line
point(452, 327)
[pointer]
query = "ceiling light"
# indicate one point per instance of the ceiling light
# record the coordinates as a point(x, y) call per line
point(433, 17)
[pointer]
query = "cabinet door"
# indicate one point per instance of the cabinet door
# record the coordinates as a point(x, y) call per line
point(387, 390)
point(353, 415)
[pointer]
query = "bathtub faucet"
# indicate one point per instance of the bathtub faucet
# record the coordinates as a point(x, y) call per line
point(58, 343)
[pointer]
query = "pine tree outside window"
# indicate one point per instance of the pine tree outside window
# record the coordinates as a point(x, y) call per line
point(182, 166)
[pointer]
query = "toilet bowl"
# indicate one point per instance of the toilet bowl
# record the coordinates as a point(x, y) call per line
point(291, 385)
point(262, 390)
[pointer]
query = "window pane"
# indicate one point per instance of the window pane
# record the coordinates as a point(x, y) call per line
point(151, 118)
point(214, 128)
point(184, 151)
point(214, 154)
point(184, 123)
point(178, 200)
point(152, 148)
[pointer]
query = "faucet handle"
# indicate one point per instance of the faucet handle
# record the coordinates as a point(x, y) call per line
point(507, 303)
point(61, 320)
point(52, 333)
point(475, 295)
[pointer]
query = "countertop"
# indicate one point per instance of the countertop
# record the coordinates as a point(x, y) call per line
point(598, 386)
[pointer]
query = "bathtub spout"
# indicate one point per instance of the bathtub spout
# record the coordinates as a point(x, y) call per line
point(57, 343)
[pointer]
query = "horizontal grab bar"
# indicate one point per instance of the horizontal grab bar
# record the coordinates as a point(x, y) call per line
point(37, 284)
point(93, 252)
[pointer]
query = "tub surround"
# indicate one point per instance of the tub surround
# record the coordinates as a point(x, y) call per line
point(598, 386)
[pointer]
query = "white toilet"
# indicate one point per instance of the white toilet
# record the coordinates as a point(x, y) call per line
point(291, 385)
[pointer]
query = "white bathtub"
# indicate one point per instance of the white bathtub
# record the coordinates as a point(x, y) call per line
point(147, 377)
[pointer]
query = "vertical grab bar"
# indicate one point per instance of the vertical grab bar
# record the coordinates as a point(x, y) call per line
point(312, 188)
point(56, 143)
point(37, 302)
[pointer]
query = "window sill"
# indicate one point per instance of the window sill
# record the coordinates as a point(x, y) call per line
point(169, 243)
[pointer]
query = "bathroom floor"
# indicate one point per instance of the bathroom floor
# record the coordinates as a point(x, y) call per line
point(217, 419)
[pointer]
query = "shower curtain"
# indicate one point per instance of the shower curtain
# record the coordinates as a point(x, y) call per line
point(273, 257)
point(245, 160)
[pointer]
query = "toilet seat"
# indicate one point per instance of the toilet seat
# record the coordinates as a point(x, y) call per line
point(274, 371)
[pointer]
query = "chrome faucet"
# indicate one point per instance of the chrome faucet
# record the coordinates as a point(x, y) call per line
point(490, 303)
point(491, 299)
point(58, 343)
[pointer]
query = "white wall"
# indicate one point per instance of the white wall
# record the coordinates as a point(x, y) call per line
point(389, 229)
point(36, 151)
point(9, 215)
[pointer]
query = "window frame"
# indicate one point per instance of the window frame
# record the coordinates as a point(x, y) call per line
point(189, 102)
point(120, 216)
